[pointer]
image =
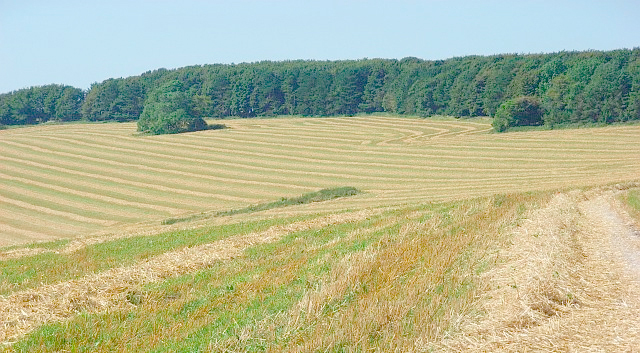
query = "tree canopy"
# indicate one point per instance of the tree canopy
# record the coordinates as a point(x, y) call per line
point(521, 111)
point(169, 110)
point(572, 88)
point(41, 104)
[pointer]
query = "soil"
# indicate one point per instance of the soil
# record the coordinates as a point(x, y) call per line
point(618, 227)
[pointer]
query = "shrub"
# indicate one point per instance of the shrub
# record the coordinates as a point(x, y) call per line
point(168, 110)
point(521, 111)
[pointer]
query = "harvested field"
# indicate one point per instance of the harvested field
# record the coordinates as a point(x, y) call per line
point(399, 275)
point(569, 282)
point(541, 271)
point(23, 311)
point(82, 179)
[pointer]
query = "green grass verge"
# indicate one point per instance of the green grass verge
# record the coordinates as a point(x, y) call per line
point(632, 199)
point(50, 267)
point(318, 196)
point(375, 285)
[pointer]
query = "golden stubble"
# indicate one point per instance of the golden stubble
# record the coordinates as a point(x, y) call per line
point(564, 284)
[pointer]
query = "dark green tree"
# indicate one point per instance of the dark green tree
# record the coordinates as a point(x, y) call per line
point(521, 111)
point(168, 110)
point(574, 88)
point(41, 104)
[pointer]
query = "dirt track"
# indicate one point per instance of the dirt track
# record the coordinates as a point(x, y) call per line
point(608, 216)
point(570, 282)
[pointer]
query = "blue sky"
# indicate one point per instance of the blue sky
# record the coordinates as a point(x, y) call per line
point(80, 42)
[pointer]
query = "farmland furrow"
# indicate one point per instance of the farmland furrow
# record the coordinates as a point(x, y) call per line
point(331, 156)
point(231, 159)
point(312, 155)
point(118, 193)
point(46, 210)
point(123, 178)
point(402, 133)
point(24, 220)
point(358, 168)
point(135, 206)
point(242, 163)
point(65, 203)
point(167, 170)
point(10, 233)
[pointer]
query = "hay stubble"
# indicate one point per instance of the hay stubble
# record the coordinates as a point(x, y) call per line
point(395, 160)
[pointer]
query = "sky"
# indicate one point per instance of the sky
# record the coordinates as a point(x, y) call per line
point(78, 43)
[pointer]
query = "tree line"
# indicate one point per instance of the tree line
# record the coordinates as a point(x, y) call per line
point(570, 87)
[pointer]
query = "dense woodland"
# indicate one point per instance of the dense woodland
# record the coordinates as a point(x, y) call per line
point(571, 87)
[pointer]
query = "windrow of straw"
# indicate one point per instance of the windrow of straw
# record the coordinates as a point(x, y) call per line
point(110, 290)
point(51, 172)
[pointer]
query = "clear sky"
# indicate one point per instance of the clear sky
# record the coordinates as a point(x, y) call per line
point(78, 42)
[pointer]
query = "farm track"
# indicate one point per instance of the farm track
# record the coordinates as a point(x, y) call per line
point(569, 282)
point(74, 180)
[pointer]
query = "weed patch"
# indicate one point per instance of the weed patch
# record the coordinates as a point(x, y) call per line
point(633, 200)
point(318, 196)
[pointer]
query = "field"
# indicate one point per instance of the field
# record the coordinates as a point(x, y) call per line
point(459, 239)
point(75, 180)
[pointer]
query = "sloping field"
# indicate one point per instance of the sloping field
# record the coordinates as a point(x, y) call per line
point(348, 281)
point(71, 180)
point(543, 272)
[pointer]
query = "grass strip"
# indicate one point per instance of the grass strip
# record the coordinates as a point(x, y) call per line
point(318, 196)
point(50, 267)
point(382, 284)
point(633, 200)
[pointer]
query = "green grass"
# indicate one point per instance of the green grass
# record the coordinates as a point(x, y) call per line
point(318, 196)
point(632, 198)
point(47, 268)
point(376, 284)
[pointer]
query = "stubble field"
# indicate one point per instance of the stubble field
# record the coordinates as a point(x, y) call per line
point(450, 246)
point(71, 180)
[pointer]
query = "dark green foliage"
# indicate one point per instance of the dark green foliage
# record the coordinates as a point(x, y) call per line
point(41, 104)
point(114, 99)
point(169, 110)
point(521, 111)
point(318, 196)
point(574, 88)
